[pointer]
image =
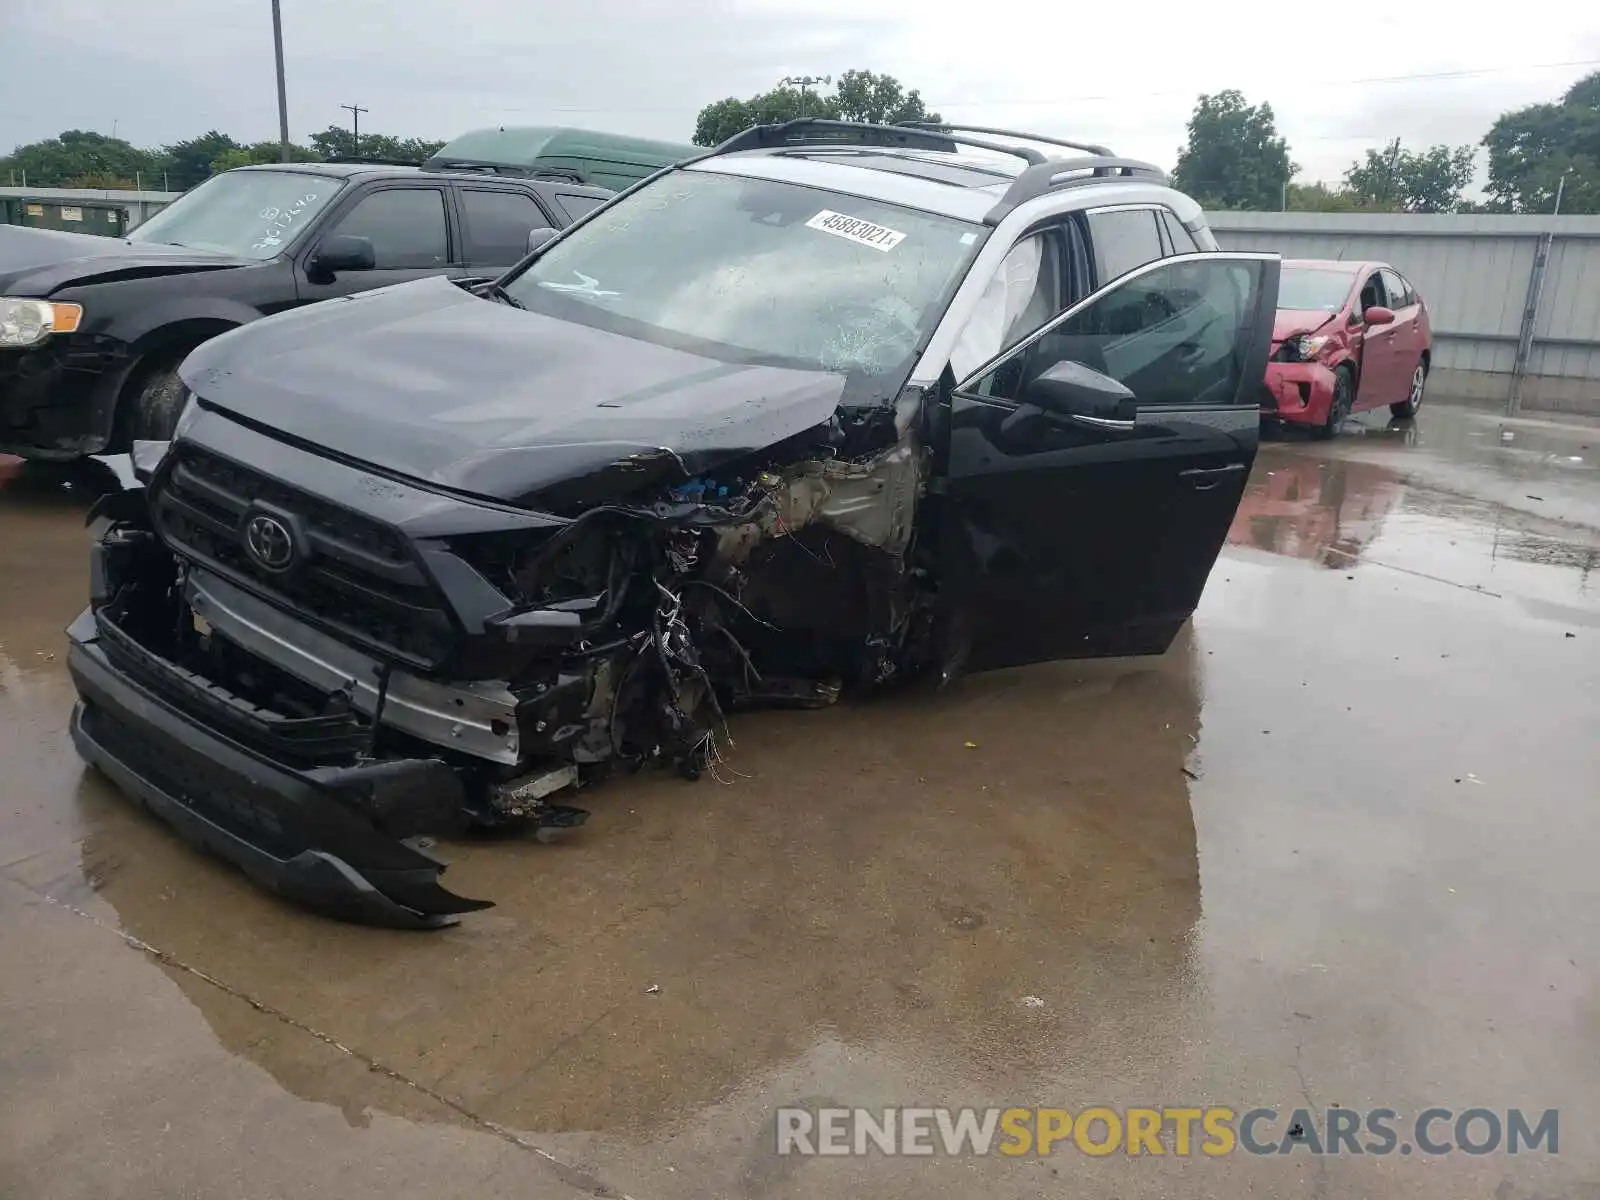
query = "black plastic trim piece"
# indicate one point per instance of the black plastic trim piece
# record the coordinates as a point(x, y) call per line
point(952, 127)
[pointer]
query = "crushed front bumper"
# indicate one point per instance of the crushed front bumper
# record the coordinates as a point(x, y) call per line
point(58, 400)
point(287, 828)
point(1298, 392)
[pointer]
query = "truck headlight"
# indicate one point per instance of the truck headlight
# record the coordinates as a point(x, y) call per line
point(29, 322)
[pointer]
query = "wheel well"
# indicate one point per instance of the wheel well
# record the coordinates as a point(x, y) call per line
point(158, 350)
point(1427, 361)
point(163, 346)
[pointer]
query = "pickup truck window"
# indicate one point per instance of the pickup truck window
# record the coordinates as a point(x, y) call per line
point(498, 224)
point(405, 226)
point(247, 214)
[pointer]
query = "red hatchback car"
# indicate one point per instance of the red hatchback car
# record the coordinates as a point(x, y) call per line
point(1350, 336)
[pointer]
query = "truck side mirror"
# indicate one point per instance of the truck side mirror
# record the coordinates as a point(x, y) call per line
point(538, 237)
point(343, 252)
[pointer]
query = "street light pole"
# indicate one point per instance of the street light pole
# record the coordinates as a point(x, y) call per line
point(803, 82)
point(283, 95)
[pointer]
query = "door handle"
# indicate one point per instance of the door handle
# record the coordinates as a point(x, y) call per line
point(1203, 479)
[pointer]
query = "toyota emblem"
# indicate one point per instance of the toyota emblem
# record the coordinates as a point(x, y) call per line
point(269, 541)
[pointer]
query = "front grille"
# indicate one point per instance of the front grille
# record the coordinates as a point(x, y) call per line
point(359, 578)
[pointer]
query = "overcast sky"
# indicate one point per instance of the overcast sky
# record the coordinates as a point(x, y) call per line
point(1124, 74)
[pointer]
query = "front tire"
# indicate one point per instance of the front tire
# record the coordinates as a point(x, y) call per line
point(1419, 380)
point(1344, 399)
point(155, 407)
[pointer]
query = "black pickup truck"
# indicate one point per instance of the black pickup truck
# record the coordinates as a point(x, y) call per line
point(92, 329)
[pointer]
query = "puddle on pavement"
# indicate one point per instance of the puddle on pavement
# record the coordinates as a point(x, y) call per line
point(867, 912)
point(871, 873)
point(1348, 514)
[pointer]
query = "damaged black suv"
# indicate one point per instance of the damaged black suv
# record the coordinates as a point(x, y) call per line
point(830, 406)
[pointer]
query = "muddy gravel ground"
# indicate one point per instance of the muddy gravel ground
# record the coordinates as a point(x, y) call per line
point(1338, 847)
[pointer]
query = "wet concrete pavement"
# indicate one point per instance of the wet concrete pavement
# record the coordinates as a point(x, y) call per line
point(1337, 847)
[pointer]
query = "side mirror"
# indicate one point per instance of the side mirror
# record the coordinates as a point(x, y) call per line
point(1072, 390)
point(1378, 315)
point(343, 252)
point(538, 237)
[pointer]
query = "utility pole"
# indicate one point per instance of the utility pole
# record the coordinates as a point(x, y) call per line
point(355, 128)
point(803, 82)
point(283, 95)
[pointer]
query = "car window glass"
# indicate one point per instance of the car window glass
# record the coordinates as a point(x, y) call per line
point(1372, 293)
point(1123, 239)
point(577, 206)
point(1396, 288)
point(1182, 240)
point(405, 226)
point(249, 214)
point(1177, 334)
point(1022, 295)
point(498, 224)
point(759, 271)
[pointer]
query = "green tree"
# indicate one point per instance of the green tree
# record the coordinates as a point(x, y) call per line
point(1234, 157)
point(77, 155)
point(721, 119)
point(859, 96)
point(878, 100)
point(258, 154)
point(334, 142)
point(189, 162)
point(1319, 197)
point(1537, 150)
point(1395, 179)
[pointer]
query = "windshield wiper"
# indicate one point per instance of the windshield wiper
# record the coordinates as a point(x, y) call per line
point(505, 297)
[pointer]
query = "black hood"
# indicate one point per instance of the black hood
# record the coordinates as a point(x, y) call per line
point(40, 262)
point(430, 382)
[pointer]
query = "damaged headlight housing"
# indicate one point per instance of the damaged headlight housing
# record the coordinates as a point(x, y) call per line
point(29, 322)
point(1302, 347)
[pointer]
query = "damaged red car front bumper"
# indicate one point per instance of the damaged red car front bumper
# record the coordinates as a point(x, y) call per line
point(1299, 392)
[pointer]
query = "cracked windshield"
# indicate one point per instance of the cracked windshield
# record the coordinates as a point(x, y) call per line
point(763, 271)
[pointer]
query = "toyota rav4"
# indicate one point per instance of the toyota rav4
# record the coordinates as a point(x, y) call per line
point(830, 406)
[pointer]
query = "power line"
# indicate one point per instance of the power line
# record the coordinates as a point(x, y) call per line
point(355, 127)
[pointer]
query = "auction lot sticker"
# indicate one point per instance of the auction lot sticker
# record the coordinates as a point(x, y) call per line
point(864, 233)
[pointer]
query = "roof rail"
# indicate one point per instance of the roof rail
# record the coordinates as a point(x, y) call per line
point(949, 127)
point(453, 166)
point(357, 160)
point(1071, 172)
point(792, 134)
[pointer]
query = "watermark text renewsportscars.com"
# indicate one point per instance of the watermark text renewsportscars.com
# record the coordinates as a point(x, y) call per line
point(1182, 1132)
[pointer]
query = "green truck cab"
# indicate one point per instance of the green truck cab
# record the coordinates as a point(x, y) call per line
point(601, 159)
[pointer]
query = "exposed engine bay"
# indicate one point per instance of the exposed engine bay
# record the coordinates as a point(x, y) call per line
point(612, 636)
